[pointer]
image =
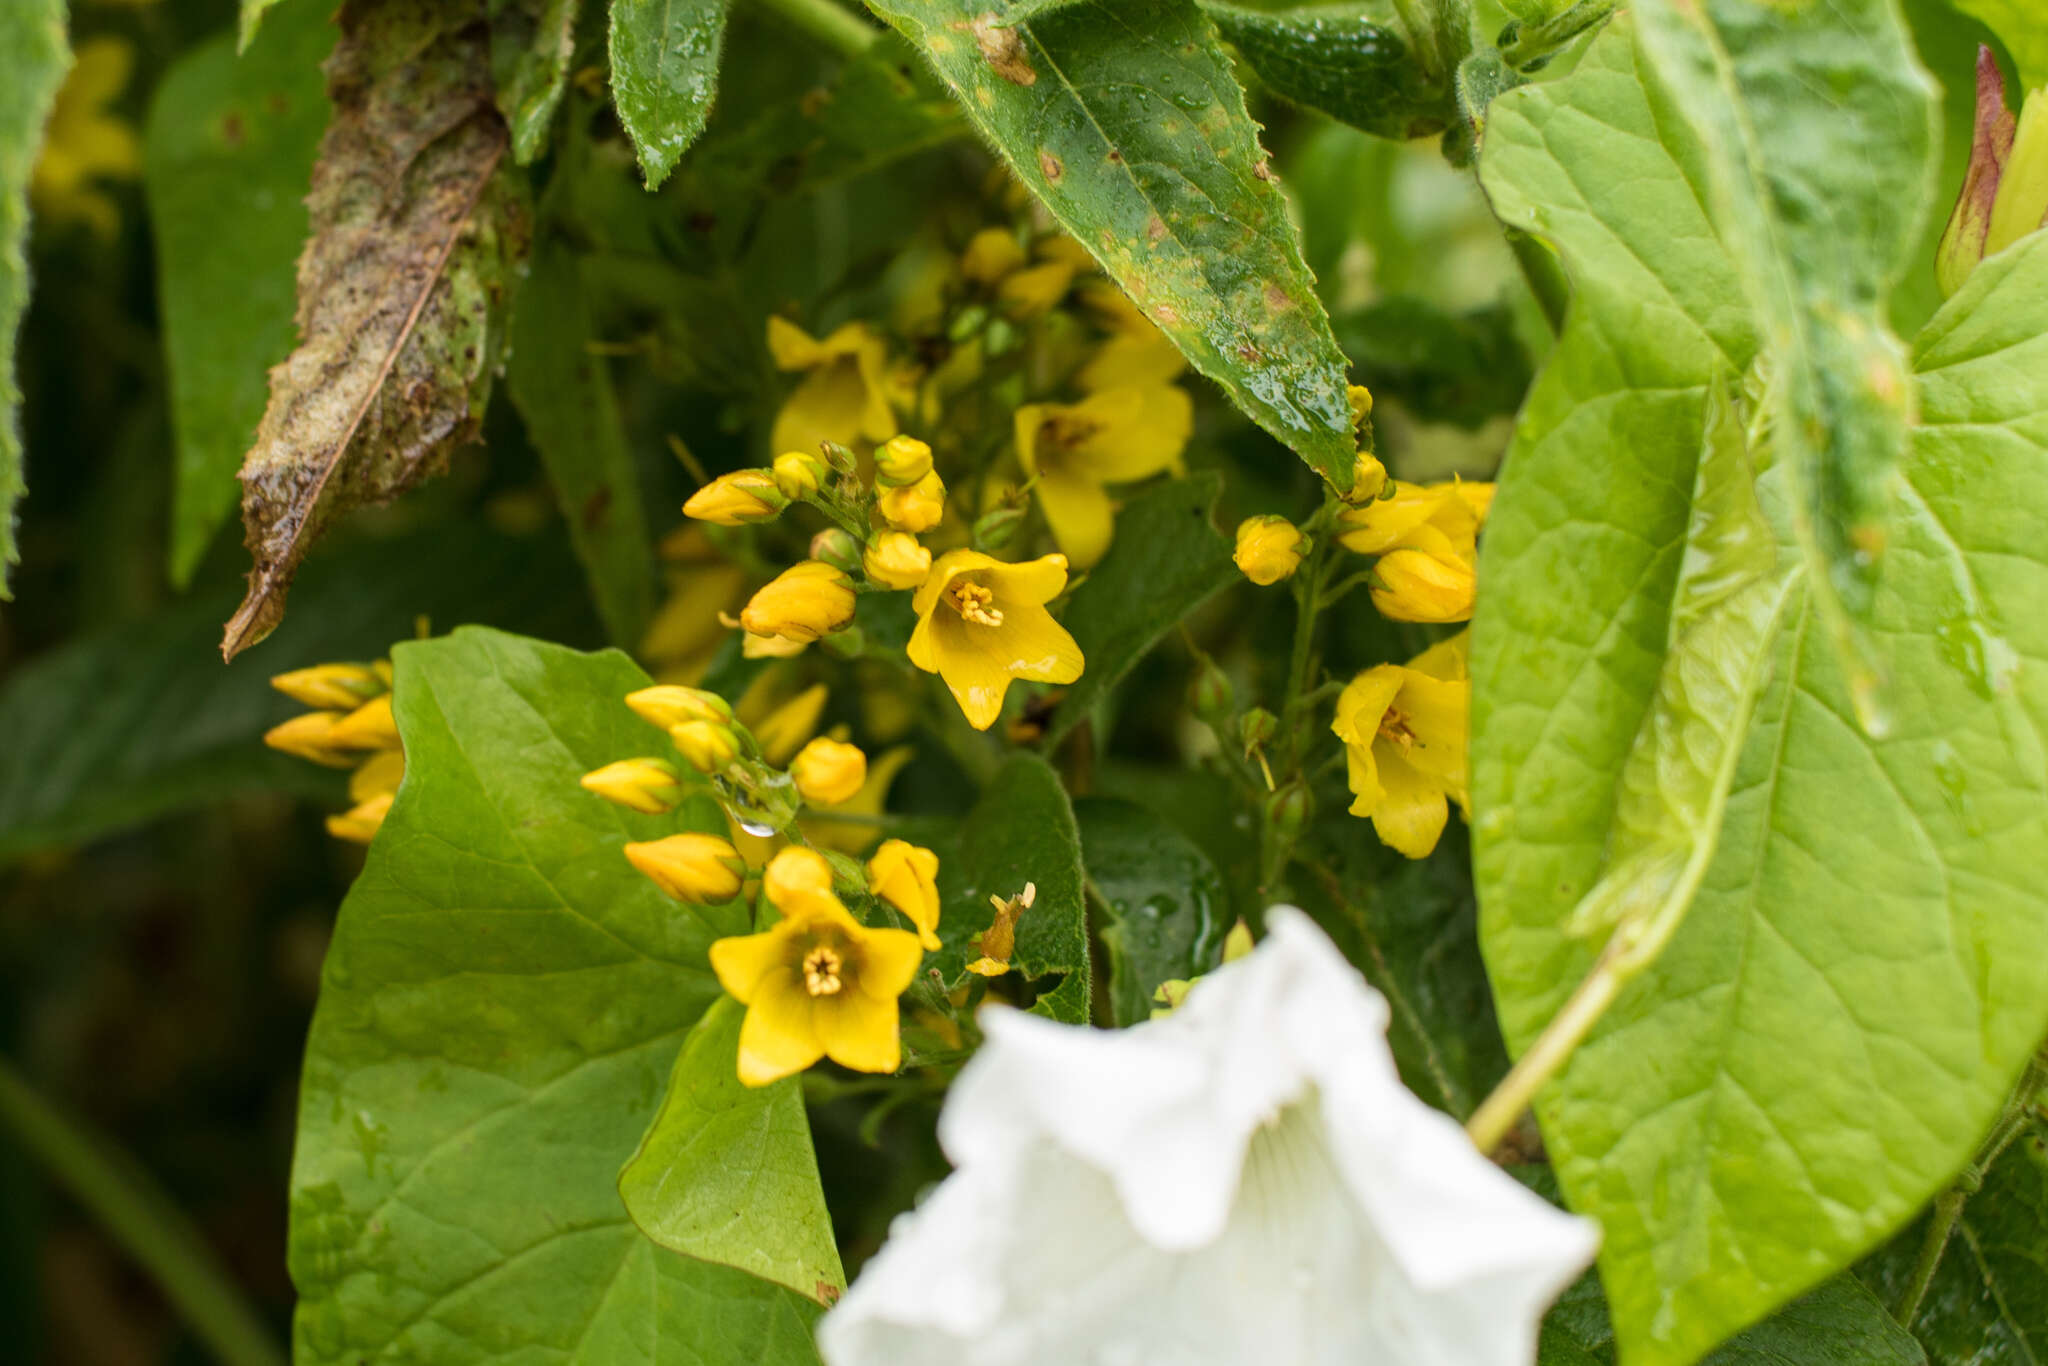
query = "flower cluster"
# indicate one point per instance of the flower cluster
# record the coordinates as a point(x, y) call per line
point(351, 726)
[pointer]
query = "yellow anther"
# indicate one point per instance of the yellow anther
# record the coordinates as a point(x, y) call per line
point(975, 603)
point(821, 972)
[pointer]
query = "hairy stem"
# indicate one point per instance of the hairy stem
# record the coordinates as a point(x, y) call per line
point(143, 1221)
point(1565, 1032)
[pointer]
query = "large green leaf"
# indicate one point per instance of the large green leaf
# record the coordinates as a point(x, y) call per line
point(532, 44)
point(1167, 560)
point(2018, 25)
point(664, 73)
point(564, 393)
point(499, 1010)
point(1837, 1324)
point(1165, 903)
point(1126, 121)
point(1841, 1012)
point(726, 1172)
point(1349, 61)
point(1988, 1302)
point(33, 59)
point(228, 154)
point(1022, 830)
point(1819, 129)
point(142, 719)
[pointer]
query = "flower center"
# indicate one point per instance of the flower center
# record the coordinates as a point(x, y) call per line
point(974, 602)
point(821, 972)
point(1394, 730)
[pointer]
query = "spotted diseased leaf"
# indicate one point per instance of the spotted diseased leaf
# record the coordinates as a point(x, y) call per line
point(36, 57)
point(664, 75)
point(1852, 992)
point(499, 1011)
point(403, 287)
point(1125, 120)
point(532, 42)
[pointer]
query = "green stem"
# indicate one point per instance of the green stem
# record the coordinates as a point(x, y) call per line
point(1499, 1111)
point(143, 1221)
point(832, 26)
point(1948, 1206)
point(1545, 276)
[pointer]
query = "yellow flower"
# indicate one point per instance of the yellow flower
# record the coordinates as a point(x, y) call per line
point(1369, 478)
point(828, 772)
point(1112, 437)
point(650, 786)
point(894, 559)
point(781, 720)
point(311, 736)
point(702, 869)
point(333, 687)
point(981, 623)
point(1268, 549)
point(991, 254)
point(799, 474)
point(1031, 293)
point(738, 498)
point(1136, 352)
point(769, 647)
point(708, 745)
point(668, 705)
point(902, 460)
point(83, 142)
point(377, 776)
point(360, 823)
point(906, 876)
point(843, 398)
point(1425, 579)
point(816, 984)
point(370, 726)
point(1456, 509)
point(848, 827)
point(914, 507)
point(802, 603)
point(685, 633)
point(1404, 728)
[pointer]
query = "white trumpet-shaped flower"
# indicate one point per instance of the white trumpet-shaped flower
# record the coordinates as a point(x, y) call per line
point(1246, 1180)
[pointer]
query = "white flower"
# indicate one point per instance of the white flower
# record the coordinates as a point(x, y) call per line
point(1244, 1181)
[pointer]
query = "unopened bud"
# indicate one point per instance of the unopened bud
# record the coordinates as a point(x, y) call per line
point(799, 474)
point(902, 460)
point(894, 559)
point(828, 772)
point(698, 868)
point(1269, 549)
point(795, 874)
point(670, 704)
point(1410, 584)
point(1256, 727)
point(370, 726)
point(802, 603)
point(1288, 810)
point(1211, 693)
point(736, 499)
point(707, 745)
point(310, 736)
point(361, 822)
point(914, 507)
point(1368, 479)
point(836, 548)
point(332, 687)
point(650, 786)
point(840, 458)
point(1238, 942)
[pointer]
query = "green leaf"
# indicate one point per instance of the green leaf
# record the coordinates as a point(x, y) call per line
point(1410, 925)
point(1166, 908)
point(499, 1009)
point(1843, 1008)
point(2018, 25)
point(226, 160)
point(664, 74)
point(113, 729)
point(532, 43)
point(726, 1172)
point(1022, 830)
point(1988, 1302)
point(1821, 140)
point(564, 393)
point(1126, 122)
point(1167, 560)
point(33, 60)
point(1466, 368)
point(402, 295)
point(251, 16)
point(1837, 1324)
point(1349, 61)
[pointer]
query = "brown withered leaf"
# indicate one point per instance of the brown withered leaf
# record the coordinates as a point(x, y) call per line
point(417, 230)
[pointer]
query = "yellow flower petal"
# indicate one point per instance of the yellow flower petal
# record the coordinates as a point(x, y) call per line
point(1079, 512)
point(744, 961)
point(780, 1034)
point(860, 1031)
point(1411, 813)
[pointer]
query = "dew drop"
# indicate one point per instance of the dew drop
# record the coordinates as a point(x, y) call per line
point(756, 829)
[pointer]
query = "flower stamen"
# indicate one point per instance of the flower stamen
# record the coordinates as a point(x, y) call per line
point(1394, 730)
point(821, 972)
point(974, 602)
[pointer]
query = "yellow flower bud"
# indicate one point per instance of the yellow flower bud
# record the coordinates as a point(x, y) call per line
point(737, 498)
point(360, 823)
point(906, 877)
point(651, 786)
point(377, 776)
point(902, 460)
point(1238, 942)
point(370, 726)
point(801, 604)
point(1418, 584)
point(1360, 398)
point(708, 745)
point(1031, 293)
point(991, 254)
point(914, 507)
point(895, 560)
point(836, 548)
point(828, 772)
point(1268, 548)
point(769, 647)
point(331, 687)
point(1368, 479)
point(691, 867)
point(668, 705)
point(794, 874)
point(799, 474)
point(310, 736)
